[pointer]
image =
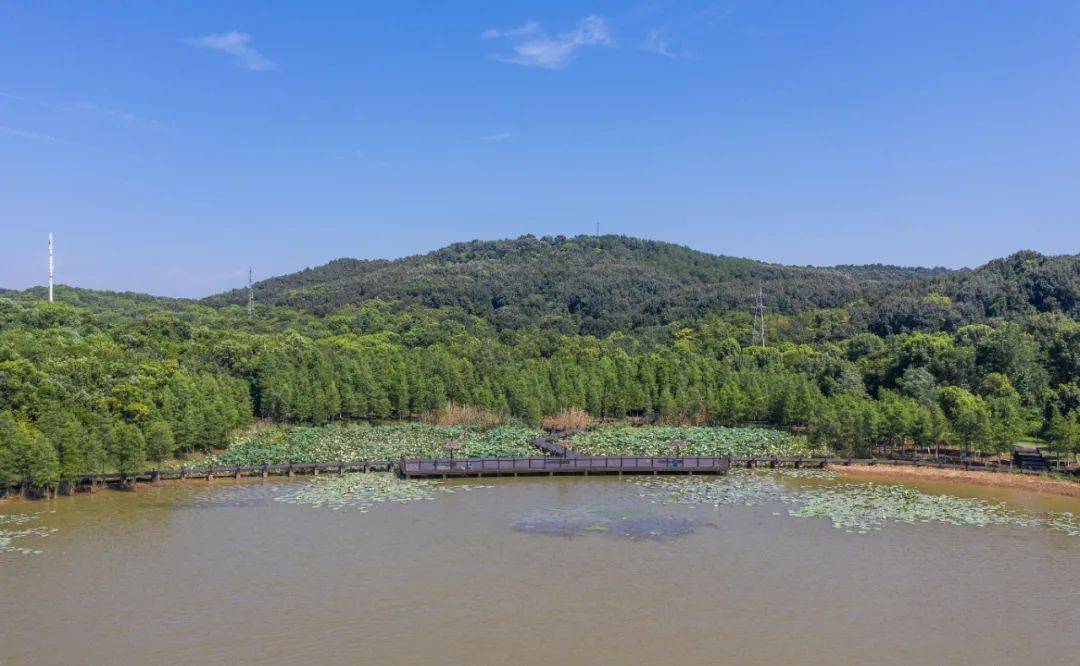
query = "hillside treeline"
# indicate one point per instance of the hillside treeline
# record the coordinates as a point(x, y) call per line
point(602, 285)
point(591, 285)
point(132, 381)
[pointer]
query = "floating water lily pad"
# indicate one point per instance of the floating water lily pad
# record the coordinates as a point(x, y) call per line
point(363, 491)
point(9, 536)
point(853, 507)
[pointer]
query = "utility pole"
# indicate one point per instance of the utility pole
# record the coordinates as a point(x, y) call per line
point(50, 268)
point(761, 314)
point(251, 293)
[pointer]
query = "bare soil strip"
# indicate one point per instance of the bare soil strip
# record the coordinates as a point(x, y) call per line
point(1040, 484)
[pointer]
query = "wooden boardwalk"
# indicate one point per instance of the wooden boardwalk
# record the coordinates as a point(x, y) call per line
point(569, 463)
point(820, 462)
point(553, 466)
point(241, 471)
point(1030, 459)
point(554, 448)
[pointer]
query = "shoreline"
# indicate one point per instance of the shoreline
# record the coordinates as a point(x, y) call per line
point(881, 470)
point(1052, 486)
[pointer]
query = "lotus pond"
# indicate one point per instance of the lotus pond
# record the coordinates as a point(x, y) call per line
point(698, 441)
point(284, 444)
point(353, 442)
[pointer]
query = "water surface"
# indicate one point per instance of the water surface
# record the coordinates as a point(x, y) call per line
point(206, 573)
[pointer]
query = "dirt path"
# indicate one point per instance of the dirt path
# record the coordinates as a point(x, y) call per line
point(996, 479)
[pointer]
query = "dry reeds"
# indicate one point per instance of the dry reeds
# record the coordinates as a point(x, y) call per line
point(567, 419)
point(454, 414)
point(683, 418)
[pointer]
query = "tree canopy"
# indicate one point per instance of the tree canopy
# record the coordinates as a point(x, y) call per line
point(856, 356)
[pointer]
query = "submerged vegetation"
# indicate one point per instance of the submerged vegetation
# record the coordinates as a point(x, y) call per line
point(621, 524)
point(571, 329)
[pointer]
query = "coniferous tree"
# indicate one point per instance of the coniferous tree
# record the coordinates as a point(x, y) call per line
point(127, 449)
point(160, 443)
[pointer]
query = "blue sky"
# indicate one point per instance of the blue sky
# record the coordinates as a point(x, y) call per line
point(169, 145)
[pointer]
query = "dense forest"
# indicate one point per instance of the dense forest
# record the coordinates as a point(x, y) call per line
point(854, 356)
point(589, 285)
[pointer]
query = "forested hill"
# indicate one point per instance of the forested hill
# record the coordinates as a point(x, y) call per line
point(587, 284)
point(1022, 284)
point(97, 300)
point(601, 285)
point(856, 357)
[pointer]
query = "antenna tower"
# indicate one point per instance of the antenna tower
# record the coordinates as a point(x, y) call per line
point(50, 268)
point(761, 315)
point(251, 294)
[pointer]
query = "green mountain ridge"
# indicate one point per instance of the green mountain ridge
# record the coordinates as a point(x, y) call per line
point(587, 284)
point(597, 285)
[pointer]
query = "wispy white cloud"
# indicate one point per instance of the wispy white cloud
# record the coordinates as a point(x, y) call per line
point(499, 136)
point(525, 30)
point(236, 44)
point(85, 107)
point(116, 114)
point(534, 48)
point(655, 43)
point(25, 134)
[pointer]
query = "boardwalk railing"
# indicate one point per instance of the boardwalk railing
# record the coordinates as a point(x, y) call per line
point(230, 471)
point(556, 465)
point(801, 461)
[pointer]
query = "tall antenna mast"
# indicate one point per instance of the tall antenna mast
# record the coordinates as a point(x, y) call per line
point(597, 228)
point(251, 294)
point(761, 314)
point(50, 268)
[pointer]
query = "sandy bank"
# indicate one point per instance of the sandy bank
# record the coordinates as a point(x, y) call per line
point(997, 479)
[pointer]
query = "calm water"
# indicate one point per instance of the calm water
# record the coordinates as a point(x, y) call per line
point(202, 573)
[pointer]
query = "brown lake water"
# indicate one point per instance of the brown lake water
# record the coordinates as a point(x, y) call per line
point(220, 572)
